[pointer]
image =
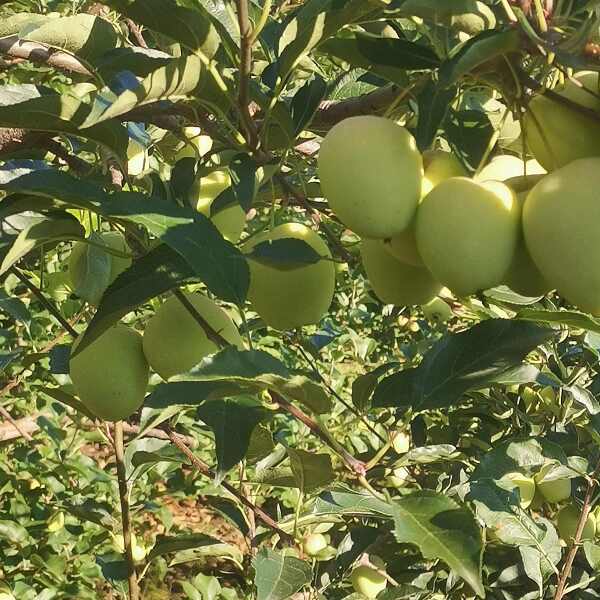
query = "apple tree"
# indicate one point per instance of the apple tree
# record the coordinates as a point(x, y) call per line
point(299, 299)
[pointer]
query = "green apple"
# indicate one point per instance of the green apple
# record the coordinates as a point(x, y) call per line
point(467, 233)
point(393, 281)
point(230, 220)
point(401, 442)
point(288, 296)
point(403, 247)
point(439, 166)
point(586, 92)
point(558, 134)
point(87, 282)
point(437, 310)
point(523, 275)
point(174, 341)
point(137, 158)
point(567, 520)
point(525, 485)
point(507, 166)
point(314, 543)
point(553, 490)
point(469, 16)
point(368, 581)
point(371, 173)
point(561, 224)
point(110, 375)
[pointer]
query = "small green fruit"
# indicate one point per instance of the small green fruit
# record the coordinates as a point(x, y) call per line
point(467, 233)
point(562, 236)
point(287, 297)
point(506, 166)
point(555, 490)
point(401, 442)
point(174, 342)
point(371, 174)
point(367, 581)
point(567, 520)
point(110, 375)
point(393, 281)
point(525, 485)
point(314, 543)
point(230, 220)
point(437, 310)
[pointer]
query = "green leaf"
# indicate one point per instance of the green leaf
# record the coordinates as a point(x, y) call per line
point(232, 420)
point(166, 544)
point(306, 102)
point(14, 533)
point(83, 34)
point(395, 53)
point(277, 576)
point(311, 471)
point(68, 400)
point(573, 319)
point(469, 133)
point(22, 21)
point(256, 370)
point(181, 80)
point(45, 230)
point(350, 503)
point(26, 107)
point(442, 529)
point(364, 385)
point(540, 562)
point(191, 393)
point(244, 186)
point(155, 273)
point(469, 360)
point(215, 261)
point(285, 253)
point(313, 22)
point(592, 554)
point(192, 27)
point(476, 51)
point(434, 101)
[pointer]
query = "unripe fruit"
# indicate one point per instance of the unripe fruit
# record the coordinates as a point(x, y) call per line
point(110, 375)
point(314, 543)
point(439, 166)
point(88, 284)
point(506, 166)
point(230, 220)
point(558, 134)
point(393, 281)
point(403, 247)
point(567, 520)
point(174, 341)
point(523, 275)
point(371, 173)
point(525, 485)
point(291, 296)
point(401, 442)
point(565, 202)
point(437, 310)
point(554, 490)
point(467, 233)
point(367, 581)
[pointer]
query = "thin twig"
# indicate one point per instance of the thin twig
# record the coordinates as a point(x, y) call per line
point(134, 592)
point(44, 301)
point(244, 74)
point(585, 511)
point(205, 470)
point(24, 433)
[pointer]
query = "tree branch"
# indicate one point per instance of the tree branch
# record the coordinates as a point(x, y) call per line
point(134, 592)
point(39, 53)
point(205, 470)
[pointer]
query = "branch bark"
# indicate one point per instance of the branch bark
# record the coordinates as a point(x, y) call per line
point(39, 53)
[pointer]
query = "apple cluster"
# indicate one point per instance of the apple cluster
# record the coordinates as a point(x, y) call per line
point(540, 488)
point(424, 224)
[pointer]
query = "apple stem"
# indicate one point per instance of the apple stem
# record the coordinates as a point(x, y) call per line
point(585, 511)
point(134, 592)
